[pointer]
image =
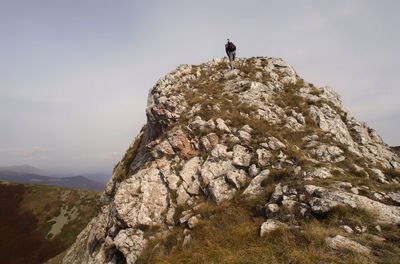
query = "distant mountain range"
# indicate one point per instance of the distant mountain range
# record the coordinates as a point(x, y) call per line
point(25, 169)
point(30, 174)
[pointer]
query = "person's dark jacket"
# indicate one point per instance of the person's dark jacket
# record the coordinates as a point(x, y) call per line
point(230, 47)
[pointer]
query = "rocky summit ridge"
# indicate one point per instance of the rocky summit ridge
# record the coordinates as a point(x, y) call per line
point(256, 133)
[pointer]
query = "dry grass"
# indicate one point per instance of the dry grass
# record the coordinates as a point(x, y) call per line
point(389, 251)
point(123, 167)
point(341, 215)
point(392, 174)
point(230, 234)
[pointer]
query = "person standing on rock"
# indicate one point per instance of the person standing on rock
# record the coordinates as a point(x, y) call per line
point(230, 49)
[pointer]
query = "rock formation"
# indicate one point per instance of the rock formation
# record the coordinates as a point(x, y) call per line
point(213, 134)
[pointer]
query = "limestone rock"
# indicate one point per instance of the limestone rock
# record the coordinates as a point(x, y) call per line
point(273, 144)
point(329, 120)
point(247, 129)
point(277, 195)
point(220, 153)
point(253, 170)
point(340, 242)
point(378, 175)
point(237, 178)
point(193, 221)
point(255, 188)
point(164, 148)
point(222, 126)
point(323, 200)
point(211, 170)
point(181, 143)
point(182, 196)
point(271, 210)
point(270, 225)
point(321, 173)
point(186, 240)
point(220, 190)
point(130, 242)
point(264, 157)
point(243, 135)
point(328, 153)
point(201, 125)
point(205, 143)
point(146, 195)
point(394, 196)
point(347, 228)
point(190, 174)
point(241, 156)
point(288, 204)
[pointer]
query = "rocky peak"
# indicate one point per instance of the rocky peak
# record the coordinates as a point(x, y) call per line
point(213, 134)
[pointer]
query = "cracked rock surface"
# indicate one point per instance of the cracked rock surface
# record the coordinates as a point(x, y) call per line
point(213, 134)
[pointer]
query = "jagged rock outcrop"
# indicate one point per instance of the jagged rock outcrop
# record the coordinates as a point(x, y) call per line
point(341, 242)
point(214, 133)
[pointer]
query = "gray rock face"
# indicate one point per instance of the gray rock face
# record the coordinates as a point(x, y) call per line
point(271, 210)
point(264, 157)
point(222, 126)
point(321, 173)
point(245, 139)
point(255, 188)
point(146, 195)
point(378, 175)
point(341, 242)
point(254, 170)
point(323, 200)
point(190, 175)
point(395, 197)
point(270, 225)
point(277, 195)
point(131, 243)
point(241, 157)
point(328, 153)
point(219, 190)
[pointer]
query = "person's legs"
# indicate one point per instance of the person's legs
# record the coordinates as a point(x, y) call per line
point(231, 58)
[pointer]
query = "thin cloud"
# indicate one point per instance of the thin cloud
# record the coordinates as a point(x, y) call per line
point(34, 153)
point(115, 154)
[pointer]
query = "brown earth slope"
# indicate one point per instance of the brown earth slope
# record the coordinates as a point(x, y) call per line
point(38, 222)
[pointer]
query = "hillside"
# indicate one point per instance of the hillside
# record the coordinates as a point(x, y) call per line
point(251, 165)
point(40, 221)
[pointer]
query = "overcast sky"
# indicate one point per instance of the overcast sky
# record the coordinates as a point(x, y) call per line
point(74, 74)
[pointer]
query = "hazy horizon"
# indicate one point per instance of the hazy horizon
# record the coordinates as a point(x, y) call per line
point(75, 74)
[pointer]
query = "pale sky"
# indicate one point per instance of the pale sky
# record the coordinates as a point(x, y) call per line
point(74, 74)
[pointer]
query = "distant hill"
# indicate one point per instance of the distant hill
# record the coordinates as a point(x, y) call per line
point(38, 222)
point(24, 169)
point(97, 177)
point(76, 182)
